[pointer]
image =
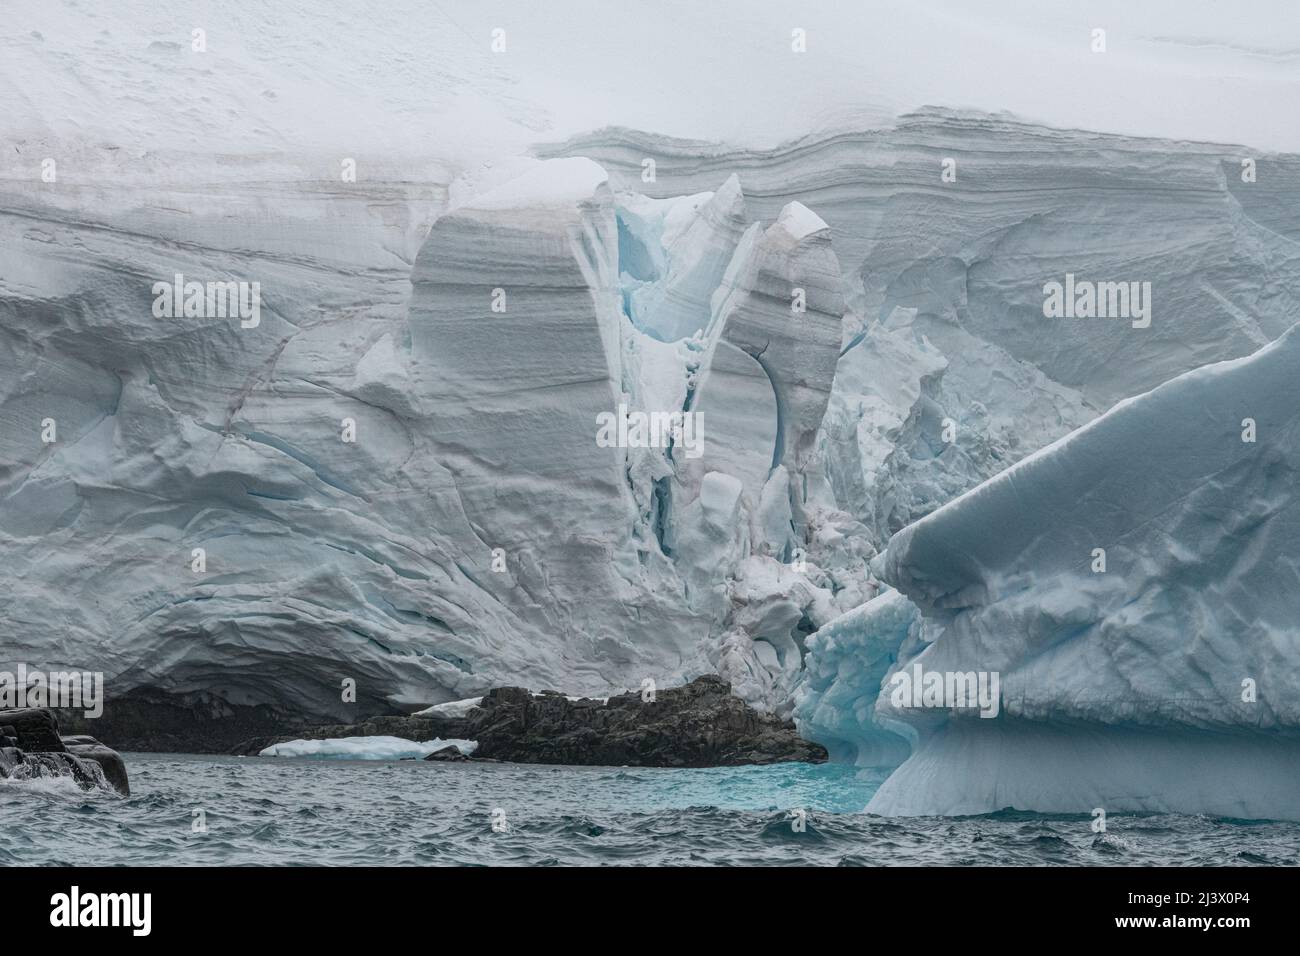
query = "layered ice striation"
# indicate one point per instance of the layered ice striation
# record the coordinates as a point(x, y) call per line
point(130, 440)
point(395, 476)
point(550, 303)
point(944, 279)
point(1134, 585)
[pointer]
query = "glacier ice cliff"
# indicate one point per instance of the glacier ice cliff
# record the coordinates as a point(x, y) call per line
point(394, 477)
point(944, 281)
point(862, 343)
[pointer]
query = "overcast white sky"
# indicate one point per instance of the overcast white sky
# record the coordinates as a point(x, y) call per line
point(418, 77)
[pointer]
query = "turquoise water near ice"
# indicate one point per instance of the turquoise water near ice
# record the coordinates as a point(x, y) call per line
point(276, 811)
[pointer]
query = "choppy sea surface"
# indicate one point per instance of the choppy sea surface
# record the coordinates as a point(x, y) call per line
point(276, 811)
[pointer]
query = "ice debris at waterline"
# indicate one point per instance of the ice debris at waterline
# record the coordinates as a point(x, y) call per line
point(1135, 585)
point(367, 748)
point(31, 748)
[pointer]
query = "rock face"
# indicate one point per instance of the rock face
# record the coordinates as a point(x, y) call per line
point(698, 725)
point(448, 754)
point(31, 747)
point(152, 721)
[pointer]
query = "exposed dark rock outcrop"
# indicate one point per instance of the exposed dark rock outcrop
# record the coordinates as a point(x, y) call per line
point(31, 746)
point(450, 754)
point(148, 720)
point(698, 725)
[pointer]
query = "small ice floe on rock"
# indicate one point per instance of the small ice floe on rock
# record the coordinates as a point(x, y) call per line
point(366, 748)
point(450, 708)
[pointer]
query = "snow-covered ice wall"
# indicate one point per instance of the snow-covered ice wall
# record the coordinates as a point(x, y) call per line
point(395, 473)
point(945, 279)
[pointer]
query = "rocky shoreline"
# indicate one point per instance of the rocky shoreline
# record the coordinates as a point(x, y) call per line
point(32, 747)
point(700, 724)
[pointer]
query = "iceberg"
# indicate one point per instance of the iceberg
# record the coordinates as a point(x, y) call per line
point(1133, 586)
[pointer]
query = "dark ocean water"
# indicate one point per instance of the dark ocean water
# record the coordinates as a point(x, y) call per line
point(276, 811)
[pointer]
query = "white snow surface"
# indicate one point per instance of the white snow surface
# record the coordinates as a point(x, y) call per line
point(450, 708)
point(414, 78)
